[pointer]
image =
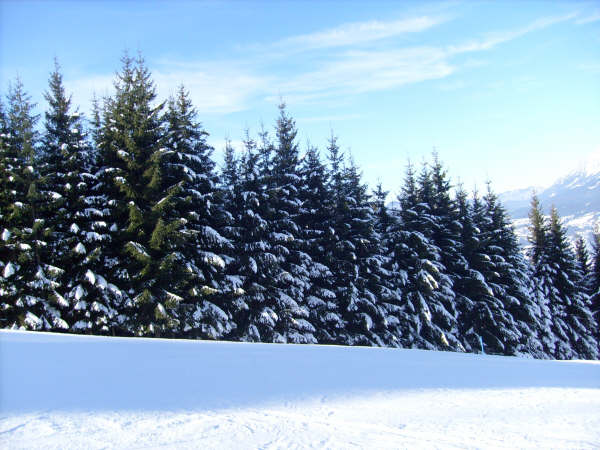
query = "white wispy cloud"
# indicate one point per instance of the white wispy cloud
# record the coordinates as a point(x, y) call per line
point(338, 65)
point(84, 88)
point(367, 71)
point(360, 32)
point(216, 90)
point(494, 39)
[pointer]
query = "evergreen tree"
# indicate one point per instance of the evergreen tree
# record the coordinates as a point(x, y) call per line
point(478, 309)
point(582, 255)
point(288, 287)
point(510, 282)
point(328, 315)
point(595, 280)
point(582, 259)
point(490, 319)
point(389, 278)
point(29, 297)
point(255, 263)
point(361, 272)
point(142, 258)
point(78, 234)
point(315, 222)
point(425, 322)
point(571, 314)
point(197, 250)
point(446, 236)
point(541, 277)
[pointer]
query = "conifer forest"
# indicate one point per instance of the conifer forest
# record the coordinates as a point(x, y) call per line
point(122, 224)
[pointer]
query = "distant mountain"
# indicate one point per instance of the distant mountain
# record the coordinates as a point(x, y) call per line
point(576, 197)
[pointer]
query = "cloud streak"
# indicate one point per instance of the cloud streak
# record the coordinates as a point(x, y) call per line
point(368, 71)
point(492, 40)
point(338, 64)
point(359, 33)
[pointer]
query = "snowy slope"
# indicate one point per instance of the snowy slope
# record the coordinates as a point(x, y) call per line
point(61, 391)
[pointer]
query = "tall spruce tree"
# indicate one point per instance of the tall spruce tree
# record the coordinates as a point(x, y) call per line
point(490, 317)
point(541, 276)
point(315, 222)
point(572, 316)
point(582, 259)
point(28, 283)
point(142, 259)
point(510, 280)
point(362, 280)
point(446, 236)
point(289, 285)
point(424, 320)
point(595, 280)
point(197, 249)
point(253, 262)
point(389, 279)
point(78, 232)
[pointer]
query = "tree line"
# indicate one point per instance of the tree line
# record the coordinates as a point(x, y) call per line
point(121, 224)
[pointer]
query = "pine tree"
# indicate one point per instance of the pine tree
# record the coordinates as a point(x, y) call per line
point(541, 277)
point(288, 287)
point(255, 263)
point(446, 236)
point(490, 317)
point(77, 234)
point(328, 315)
point(315, 221)
point(571, 314)
point(478, 309)
point(416, 260)
point(389, 278)
point(361, 279)
point(582, 258)
point(595, 280)
point(197, 254)
point(434, 323)
point(142, 257)
point(537, 231)
point(28, 286)
point(511, 279)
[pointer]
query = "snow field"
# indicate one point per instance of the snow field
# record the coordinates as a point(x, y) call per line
point(65, 391)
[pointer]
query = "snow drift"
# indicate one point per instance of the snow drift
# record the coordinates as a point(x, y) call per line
point(66, 390)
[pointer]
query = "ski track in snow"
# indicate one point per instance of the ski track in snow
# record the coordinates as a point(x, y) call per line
point(72, 392)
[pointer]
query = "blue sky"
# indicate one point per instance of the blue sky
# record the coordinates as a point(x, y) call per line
point(505, 91)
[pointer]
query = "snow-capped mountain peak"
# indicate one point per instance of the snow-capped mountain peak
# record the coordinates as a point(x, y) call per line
point(575, 195)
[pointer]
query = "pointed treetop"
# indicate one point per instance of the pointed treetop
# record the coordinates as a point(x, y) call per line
point(21, 120)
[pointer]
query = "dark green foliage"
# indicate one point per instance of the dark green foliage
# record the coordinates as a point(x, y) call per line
point(595, 280)
point(388, 281)
point(426, 321)
point(188, 229)
point(583, 266)
point(566, 321)
point(253, 264)
point(78, 234)
point(132, 147)
point(315, 223)
point(574, 311)
point(495, 288)
point(27, 285)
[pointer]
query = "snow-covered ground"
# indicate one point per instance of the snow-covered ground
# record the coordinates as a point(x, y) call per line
point(62, 391)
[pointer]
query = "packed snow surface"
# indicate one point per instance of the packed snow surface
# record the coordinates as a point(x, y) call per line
point(65, 391)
